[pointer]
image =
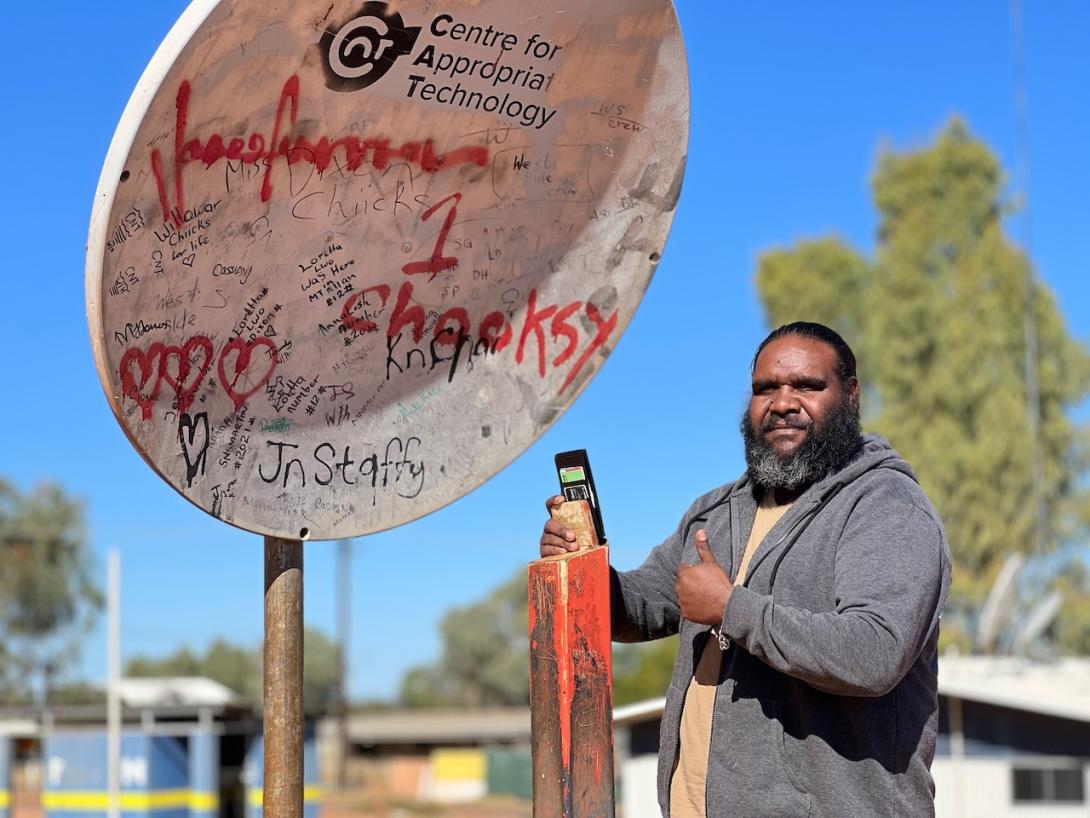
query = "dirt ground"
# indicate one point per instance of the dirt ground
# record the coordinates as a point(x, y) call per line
point(347, 805)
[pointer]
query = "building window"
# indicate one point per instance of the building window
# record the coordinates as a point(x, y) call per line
point(1048, 785)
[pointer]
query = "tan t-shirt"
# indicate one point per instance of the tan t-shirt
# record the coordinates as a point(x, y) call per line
point(687, 790)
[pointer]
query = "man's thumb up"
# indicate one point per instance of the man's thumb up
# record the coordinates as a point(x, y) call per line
point(703, 589)
point(703, 549)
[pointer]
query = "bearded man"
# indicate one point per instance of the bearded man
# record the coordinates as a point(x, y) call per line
point(807, 594)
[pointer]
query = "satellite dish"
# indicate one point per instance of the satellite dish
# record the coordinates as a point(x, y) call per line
point(999, 602)
point(1038, 620)
point(347, 260)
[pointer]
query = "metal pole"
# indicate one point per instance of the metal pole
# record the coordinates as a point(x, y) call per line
point(283, 699)
point(344, 619)
point(113, 682)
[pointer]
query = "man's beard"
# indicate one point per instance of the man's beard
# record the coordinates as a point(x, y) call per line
point(826, 448)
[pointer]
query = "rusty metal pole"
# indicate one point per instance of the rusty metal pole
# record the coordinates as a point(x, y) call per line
point(571, 696)
point(283, 787)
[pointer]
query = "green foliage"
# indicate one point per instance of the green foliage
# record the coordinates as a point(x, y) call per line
point(1071, 632)
point(936, 321)
point(321, 672)
point(180, 663)
point(77, 692)
point(484, 660)
point(642, 671)
point(786, 276)
point(240, 669)
point(48, 597)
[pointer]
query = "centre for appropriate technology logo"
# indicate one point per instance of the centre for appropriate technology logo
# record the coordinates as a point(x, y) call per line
point(358, 52)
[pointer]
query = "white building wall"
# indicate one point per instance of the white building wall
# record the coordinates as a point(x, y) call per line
point(981, 788)
point(639, 787)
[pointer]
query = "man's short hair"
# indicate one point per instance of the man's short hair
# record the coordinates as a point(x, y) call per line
point(845, 358)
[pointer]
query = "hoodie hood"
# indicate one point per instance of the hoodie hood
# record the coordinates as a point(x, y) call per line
point(876, 453)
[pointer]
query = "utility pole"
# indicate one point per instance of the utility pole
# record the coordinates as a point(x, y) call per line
point(344, 621)
point(113, 682)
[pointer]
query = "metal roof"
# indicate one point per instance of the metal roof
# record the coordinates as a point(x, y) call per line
point(436, 726)
point(1060, 688)
point(639, 711)
point(196, 691)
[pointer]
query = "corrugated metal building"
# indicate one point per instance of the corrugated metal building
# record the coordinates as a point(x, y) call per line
point(189, 749)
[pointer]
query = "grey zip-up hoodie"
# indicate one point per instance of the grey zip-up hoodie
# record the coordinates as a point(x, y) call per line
point(827, 702)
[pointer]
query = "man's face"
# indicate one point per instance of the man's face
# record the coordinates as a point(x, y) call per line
point(802, 421)
point(795, 387)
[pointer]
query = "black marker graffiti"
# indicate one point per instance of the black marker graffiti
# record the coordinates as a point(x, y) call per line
point(188, 429)
point(400, 467)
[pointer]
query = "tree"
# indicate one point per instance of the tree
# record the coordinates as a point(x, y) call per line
point(321, 672)
point(642, 671)
point(48, 597)
point(240, 669)
point(485, 659)
point(485, 656)
point(75, 692)
point(182, 662)
point(937, 320)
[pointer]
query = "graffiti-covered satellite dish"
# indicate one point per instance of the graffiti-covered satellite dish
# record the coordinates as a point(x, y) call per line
point(348, 259)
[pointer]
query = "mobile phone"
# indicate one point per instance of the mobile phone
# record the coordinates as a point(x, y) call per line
point(577, 483)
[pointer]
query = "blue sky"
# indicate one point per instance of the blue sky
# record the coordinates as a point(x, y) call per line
point(790, 106)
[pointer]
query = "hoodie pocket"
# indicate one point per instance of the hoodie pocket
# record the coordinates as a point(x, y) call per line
point(748, 769)
point(775, 709)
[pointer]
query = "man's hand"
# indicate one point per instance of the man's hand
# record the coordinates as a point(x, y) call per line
point(702, 589)
point(556, 538)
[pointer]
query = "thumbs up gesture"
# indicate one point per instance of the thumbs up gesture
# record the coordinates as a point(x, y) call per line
point(703, 589)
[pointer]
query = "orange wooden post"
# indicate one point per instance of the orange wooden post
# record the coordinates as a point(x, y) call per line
point(571, 697)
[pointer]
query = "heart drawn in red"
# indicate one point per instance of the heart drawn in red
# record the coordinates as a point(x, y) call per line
point(245, 350)
point(189, 376)
point(148, 373)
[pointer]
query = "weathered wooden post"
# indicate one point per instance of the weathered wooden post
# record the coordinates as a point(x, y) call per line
point(571, 699)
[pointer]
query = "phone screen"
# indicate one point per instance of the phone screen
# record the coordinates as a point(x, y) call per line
point(577, 483)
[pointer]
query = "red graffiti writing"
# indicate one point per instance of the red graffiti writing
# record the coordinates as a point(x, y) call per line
point(353, 323)
point(244, 351)
point(156, 361)
point(255, 148)
point(182, 368)
point(148, 365)
point(188, 378)
point(438, 263)
point(541, 326)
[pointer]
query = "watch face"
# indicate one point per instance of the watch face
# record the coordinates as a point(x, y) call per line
point(347, 260)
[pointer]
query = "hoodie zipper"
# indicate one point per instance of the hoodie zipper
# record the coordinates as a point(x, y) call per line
point(725, 644)
point(711, 731)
